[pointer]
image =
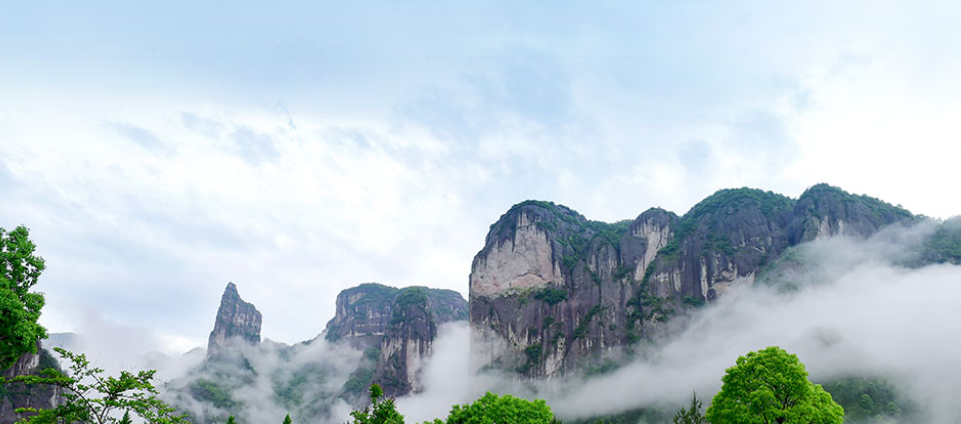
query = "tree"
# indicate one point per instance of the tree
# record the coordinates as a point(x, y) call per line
point(231, 420)
point(19, 308)
point(771, 386)
point(493, 409)
point(287, 419)
point(91, 398)
point(692, 414)
point(381, 411)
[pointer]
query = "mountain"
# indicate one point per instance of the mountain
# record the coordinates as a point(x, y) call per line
point(395, 326)
point(235, 319)
point(379, 334)
point(551, 292)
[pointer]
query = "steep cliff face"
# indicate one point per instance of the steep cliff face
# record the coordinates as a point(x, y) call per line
point(722, 239)
point(552, 291)
point(236, 319)
point(363, 313)
point(19, 396)
point(541, 310)
point(396, 328)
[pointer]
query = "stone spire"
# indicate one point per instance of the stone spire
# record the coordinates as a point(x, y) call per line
point(235, 319)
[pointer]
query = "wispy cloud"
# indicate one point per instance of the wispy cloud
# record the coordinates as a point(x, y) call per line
point(139, 136)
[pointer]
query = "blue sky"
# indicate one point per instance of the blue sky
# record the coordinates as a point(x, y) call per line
point(158, 151)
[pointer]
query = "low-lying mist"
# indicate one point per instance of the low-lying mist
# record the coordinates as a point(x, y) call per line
point(843, 306)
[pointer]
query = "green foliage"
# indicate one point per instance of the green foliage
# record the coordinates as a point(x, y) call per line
point(691, 414)
point(533, 355)
point(407, 298)
point(570, 261)
point(410, 296)
point(359, 381)
point(622, 272)
point(606, 366)
point(551, 295)
point(582, 326)
point(548, 226)
point(209, 391)
point(494, 409)
point(769, 203)
point(646, 306)
point(548, 321)
point(287, 419)
point(718, 243)
point(610, 233)
point(771, 386)
point(90, 397)
point(381, 411)
point(231, 420)
point(866, 398)
point(694, 301)
point(19, 307)
point(633, 416)
point(944, 245)
point(372, 353)
point(881, 210)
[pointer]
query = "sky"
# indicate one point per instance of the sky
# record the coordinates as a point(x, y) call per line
point(159, 151)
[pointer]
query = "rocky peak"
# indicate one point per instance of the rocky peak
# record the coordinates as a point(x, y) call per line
point(236, 319)
point(826, 211)
point(725, 237)
point(362, 314)
point(398, 326)
point(650, 232)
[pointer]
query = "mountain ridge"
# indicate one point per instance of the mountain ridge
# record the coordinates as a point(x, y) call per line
point(552, 289)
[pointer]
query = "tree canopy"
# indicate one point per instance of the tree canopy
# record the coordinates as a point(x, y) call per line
point(494, 409)
point(691, 414)
point(770, 386)
point(89, 397)
point(381, 411)
point(19, 307)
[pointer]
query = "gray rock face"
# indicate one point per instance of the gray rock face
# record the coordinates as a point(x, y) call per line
point(18, 396)
point(363, 313)
point(236, 319)
point(825, 211)
point(552, 291)
point(398, 326)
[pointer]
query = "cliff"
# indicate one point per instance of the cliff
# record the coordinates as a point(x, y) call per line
point(396, 328)
point(551, 292)
point(15, 396)
point(236, 319)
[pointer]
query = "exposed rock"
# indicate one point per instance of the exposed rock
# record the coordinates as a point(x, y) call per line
point(362, 315)
point(825, 211)
point(552, 290)
point(236, 319)
point(395, 326)
point(19, 396)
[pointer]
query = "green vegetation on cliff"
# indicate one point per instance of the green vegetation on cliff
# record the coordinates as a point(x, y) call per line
point(881, 210)
point(19, 307)
point(214, 393)
point(944, 245)
point(722, 202)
